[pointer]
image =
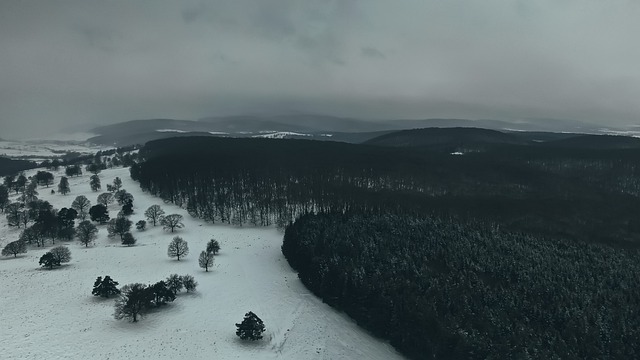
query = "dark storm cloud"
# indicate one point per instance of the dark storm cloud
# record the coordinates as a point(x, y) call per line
point(73, 62)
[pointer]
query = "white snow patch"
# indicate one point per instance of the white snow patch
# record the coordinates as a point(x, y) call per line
point(631, 133)
point(279, 135)
point(457, 153)
point(171, 130)
point(218, 133)
point(51, 314)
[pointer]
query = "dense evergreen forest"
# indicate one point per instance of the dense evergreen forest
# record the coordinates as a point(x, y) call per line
point(522, 249)
point(444, 289)
point(9, 166)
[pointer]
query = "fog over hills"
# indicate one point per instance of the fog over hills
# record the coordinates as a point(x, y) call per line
point(318, 127)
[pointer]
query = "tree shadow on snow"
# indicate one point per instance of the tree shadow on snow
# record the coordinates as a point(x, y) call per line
point(8, 258)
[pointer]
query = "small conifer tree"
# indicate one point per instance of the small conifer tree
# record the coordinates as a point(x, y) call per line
point(213, 246)
point(63, 186)
point(251, 327)
point(105, 287)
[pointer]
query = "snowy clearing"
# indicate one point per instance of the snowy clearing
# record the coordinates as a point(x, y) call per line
point(37, 151)
point(49, 314)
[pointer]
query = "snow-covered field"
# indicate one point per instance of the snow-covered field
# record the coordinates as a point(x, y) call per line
point(38, 150)
point(51, 314)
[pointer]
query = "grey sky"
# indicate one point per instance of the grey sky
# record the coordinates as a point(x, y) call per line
point(64, 63)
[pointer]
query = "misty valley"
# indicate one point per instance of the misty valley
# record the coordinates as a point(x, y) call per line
point(319, 180)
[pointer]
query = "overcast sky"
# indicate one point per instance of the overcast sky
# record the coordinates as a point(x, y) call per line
point(64, 63)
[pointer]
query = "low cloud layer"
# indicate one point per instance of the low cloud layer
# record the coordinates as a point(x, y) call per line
point(67, 63)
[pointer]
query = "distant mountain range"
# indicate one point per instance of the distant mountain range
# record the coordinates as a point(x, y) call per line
point(473, 139)
point(316, 127)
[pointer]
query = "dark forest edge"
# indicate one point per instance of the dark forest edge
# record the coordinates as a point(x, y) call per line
point(582, 194)
point(443, 289)
point(10, 166)
point(559, 210)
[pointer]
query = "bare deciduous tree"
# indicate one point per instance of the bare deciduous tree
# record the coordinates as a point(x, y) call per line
point(172, 222)
point(205, 260)
point(178, 248)
point(154, 213)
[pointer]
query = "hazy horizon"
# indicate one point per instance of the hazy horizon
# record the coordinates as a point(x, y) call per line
point(70, 63)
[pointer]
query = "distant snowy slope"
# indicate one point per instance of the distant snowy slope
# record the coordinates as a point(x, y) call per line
point(45, 149)
point(280, 135)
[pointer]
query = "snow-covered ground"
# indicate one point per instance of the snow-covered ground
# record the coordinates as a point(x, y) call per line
point(172, 130)
point(64, 136)
point(51, 314)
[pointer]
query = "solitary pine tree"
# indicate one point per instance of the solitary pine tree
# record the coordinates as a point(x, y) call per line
point(117, 184)
point(94, 182)
point(205, 260)
point(105, 287)
point(154, 214)
point(251, 328)
point(63, 186)
point(172, 222)
point(14, 248)
point(213, 246)
point(178, 248)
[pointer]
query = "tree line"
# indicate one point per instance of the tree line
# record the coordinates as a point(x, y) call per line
point(583, 194)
